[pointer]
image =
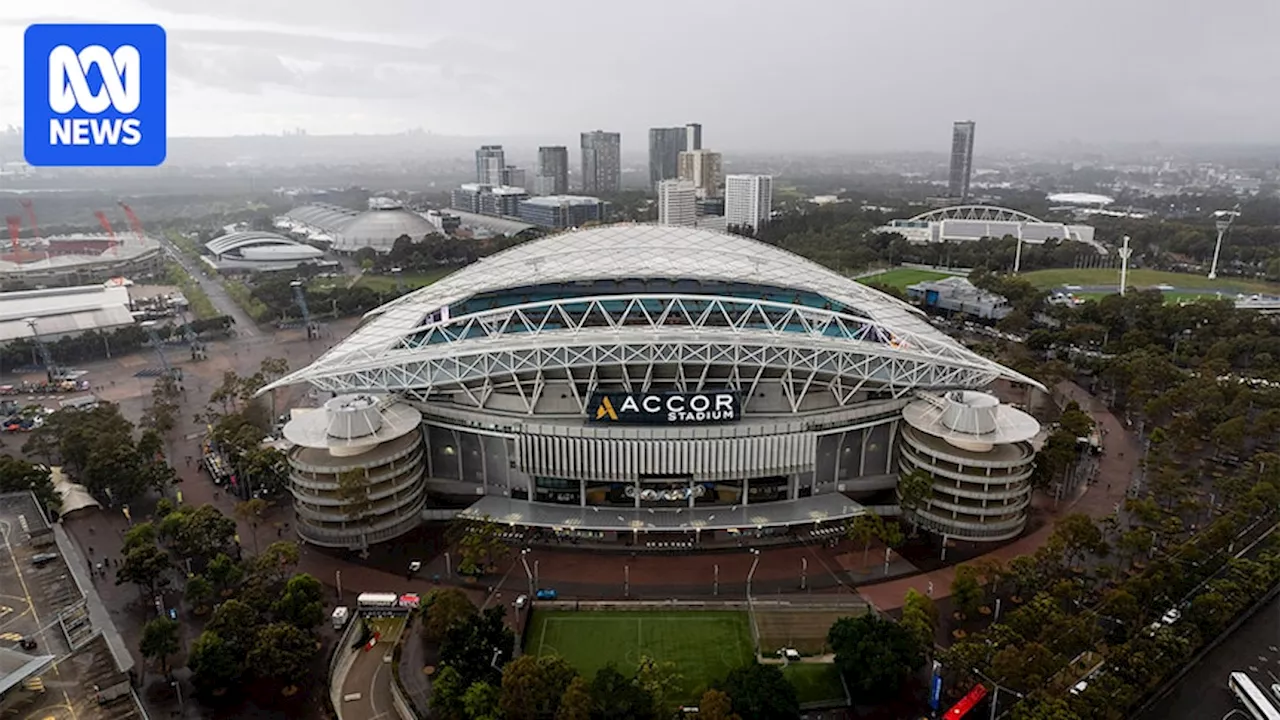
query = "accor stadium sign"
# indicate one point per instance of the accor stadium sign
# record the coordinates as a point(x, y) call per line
point(665, 408)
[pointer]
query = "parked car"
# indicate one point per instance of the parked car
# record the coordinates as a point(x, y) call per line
point(546, 594)
point(42, 559)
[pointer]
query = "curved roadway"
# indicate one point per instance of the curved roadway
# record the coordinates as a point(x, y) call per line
point(370, 676)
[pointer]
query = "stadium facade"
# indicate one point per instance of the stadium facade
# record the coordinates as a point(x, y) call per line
point(80, 259)
point(967, 223)
point(645, 384)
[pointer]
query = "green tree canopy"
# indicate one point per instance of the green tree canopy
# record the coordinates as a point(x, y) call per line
point(215, 665)
point(874, 655)
point(532, 687)
point(159, 641)
point(283, 653)
point(762, 692)
point(442, 609)
point(19, 476)
point(470, 648)
point(301, 604)
point(147, 567)
point(615, 696)
point(575, 704)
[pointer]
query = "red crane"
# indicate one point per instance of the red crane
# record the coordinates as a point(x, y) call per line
point(15, 227)
point(106, 225)
point(134, 222)
point(31, 216)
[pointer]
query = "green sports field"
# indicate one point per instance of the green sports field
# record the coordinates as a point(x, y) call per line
point(901, 277)
point(1187, 283)
point(704, 646)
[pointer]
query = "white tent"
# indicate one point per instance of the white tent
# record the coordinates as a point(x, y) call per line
point(74, 496)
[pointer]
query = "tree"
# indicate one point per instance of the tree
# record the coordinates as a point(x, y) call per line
point(715, 705)
point(920, 617)
point(478, 543)
point(447, 691)
point(353, 491)
point(864, 530)
point(1079, 535)
point(215, 664)
point(159, 641)
point(199, 593)
point(19, 476)
point(141, 535)
point(532, 687)
point(480, 702)
point(237, 624)
point(761, 692)
point(284, 654)
point(251, 511)
point(873, 655)
point(470, 648)
point(966, 591)
point(147, 567)
point(914, 490)
point(442, 609)
point(615, 696)
point(224, 574)
point(575, 704)
point(302, 603)
point(200, 533)
point(1042, 708)
point(1024, 667)
point(661, 681)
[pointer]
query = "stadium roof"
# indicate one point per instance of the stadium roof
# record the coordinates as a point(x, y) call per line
point(379, 229)
point(252, 238)
point(63, 311)
point(329, 218)
point(1072, 198)
point(621, 252)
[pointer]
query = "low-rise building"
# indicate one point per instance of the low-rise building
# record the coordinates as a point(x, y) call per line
point(563, 211)
point(957, 294)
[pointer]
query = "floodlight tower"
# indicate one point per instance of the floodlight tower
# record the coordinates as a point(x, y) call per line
point(1222, 223)
point(1125, 252)
point(313, 329)
point(166, 369)
point(51, 370)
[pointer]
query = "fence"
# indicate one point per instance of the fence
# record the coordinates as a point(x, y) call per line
point(343, 658)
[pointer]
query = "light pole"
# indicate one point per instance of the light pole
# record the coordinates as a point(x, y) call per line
point(527, 574)
point(804, 571)
point(626, 581)
point(1125, 252)
point(1222, 223)
point(995, 692)
point(337, 580)
point(752, 572)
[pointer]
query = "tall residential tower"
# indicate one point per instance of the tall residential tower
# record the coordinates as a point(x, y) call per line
point(553, 163)
point(748, 200)
point(665, 146)
point(961, 160)
point(490, 161)
point(601, 162)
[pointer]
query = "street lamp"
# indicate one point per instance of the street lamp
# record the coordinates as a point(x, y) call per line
point(525, 564)
point(995, 692)
point(752, 572)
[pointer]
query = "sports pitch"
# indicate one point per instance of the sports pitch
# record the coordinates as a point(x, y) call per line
point(704, 646)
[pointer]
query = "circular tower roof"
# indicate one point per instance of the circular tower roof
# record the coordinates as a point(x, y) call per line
point(970, 420)
point(352, 424)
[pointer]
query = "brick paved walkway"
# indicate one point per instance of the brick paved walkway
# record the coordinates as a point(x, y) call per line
point(1116, 468)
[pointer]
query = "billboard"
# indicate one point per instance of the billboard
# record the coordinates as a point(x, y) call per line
point(695, 408)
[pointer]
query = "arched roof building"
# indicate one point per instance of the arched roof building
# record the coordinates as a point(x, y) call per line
point(960, 223)
point(648, 368)
point(256, 250)
point(348, 230)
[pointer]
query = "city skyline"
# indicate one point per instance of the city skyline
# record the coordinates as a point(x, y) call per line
point(243, 68)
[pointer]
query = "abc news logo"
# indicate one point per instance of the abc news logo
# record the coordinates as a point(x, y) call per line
point(69, 90)
point(100, 92)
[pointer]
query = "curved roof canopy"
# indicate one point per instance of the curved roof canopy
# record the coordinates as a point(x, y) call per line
point(380, 228)
point(255, 239)
point(322, 216)
point(393, 334)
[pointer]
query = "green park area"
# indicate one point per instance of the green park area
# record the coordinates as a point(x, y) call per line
point(410, 281)
point(901, 277)
point(704, 646)
point(1187, 286)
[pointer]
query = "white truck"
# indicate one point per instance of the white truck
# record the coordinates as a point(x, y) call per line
point(341, 615)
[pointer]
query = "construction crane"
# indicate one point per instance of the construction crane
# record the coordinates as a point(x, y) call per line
point(313, 329)
point(166, 369)
point(15, 229)
point(198, 351)
point(134, 223)
point(106, 225)
point(31, 216)
point(54, 373)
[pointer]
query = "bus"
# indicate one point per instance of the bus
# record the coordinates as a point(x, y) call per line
point(381, 605)
point(1252, 697)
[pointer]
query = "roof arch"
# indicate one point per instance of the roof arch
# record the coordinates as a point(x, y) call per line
point(246, 238)
point(431, 326)
point(981, 213)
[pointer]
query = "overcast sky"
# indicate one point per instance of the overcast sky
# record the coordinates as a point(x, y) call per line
point(856, 75)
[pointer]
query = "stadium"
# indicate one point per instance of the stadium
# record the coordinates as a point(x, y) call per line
point(347, 231)
point(80, 259)
point(661, 387)
point(967, 223)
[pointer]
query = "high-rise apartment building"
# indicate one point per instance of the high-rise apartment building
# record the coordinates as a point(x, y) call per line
point(961, 160)
point(677, 203)
point(513, 176)
point(553, 162)
point(490, 160)
point(601, 162)
point(665, 146)
point(748, 200)
point(703, 169)
point(693, 136)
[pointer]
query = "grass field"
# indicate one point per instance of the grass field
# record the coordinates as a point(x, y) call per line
point(900, 278)
point(804, 629)
point(411, 281)
point(704, 646)
point(1142, 278)
point(815, 682)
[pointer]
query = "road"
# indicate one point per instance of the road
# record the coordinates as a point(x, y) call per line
point(1253, 648)
point(245, 326)
point(370, 676)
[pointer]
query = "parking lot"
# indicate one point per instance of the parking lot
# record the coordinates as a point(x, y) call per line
point(40, 600)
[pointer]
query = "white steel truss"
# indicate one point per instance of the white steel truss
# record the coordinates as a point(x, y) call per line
point(980, 213)
point(639, 342)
